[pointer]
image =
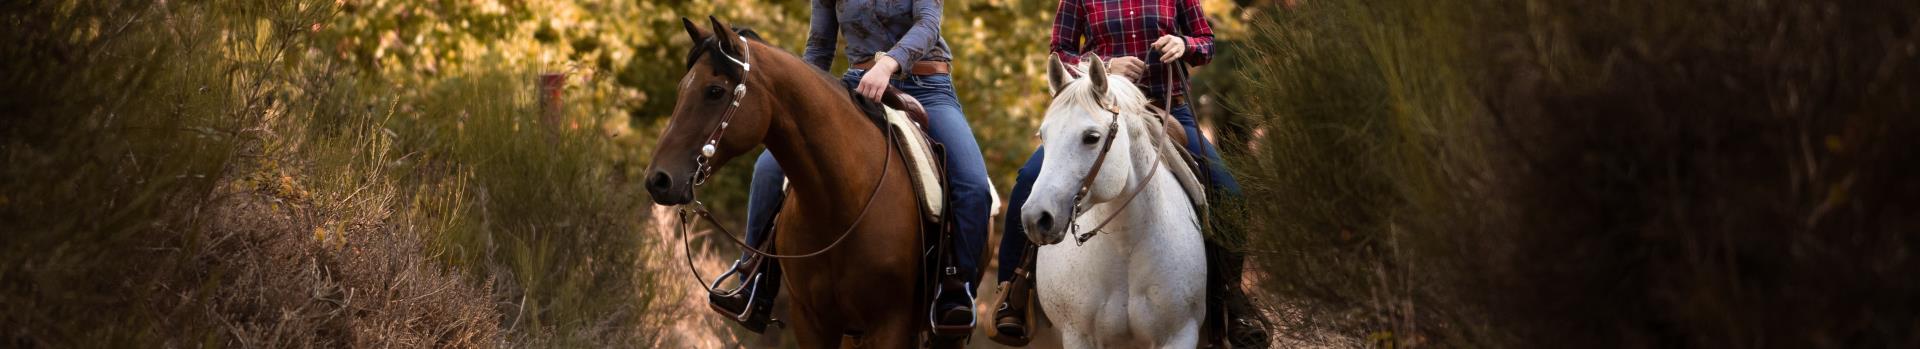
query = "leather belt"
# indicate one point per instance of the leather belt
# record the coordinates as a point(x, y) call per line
point(1178, 101)
point(921, 68)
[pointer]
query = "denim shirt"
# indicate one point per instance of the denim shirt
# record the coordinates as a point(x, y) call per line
point(908, 30)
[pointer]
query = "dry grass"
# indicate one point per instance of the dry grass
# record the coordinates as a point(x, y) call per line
point(201, 174)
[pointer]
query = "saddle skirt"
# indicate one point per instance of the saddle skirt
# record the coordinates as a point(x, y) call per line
point(924, 165)
point(1171, 141)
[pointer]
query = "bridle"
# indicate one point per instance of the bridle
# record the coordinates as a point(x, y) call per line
point(703, 169)
point(1093, 172)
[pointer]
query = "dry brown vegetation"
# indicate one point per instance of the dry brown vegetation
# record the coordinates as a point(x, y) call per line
point(207, 174)
point(1589, 174)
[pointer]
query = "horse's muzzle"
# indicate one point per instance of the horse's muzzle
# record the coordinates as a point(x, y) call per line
point(1043, 226)
point(668, 191)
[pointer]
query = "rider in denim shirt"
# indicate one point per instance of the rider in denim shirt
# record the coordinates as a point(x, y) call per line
point(889, 43)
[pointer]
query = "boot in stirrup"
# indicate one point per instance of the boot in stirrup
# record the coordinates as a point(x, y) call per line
point(742, 304)
point(952, 312)
point(1015, 311)
point(1246, 326)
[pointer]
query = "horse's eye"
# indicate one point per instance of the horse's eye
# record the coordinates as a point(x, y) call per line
point(714, 92)
point(1090, 137)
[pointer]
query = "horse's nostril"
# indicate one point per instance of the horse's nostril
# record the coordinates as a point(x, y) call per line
point(659, 182)
point(1046, 222)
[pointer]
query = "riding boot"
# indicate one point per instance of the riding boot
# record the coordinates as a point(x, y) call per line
point(748, 305)
point(1245, 326)
point(952, 312)
point(954, 308)
point(1015, 310)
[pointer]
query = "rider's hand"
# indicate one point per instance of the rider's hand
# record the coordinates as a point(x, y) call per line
point(1127, 67)
point(1170, 47)
point(876, 81)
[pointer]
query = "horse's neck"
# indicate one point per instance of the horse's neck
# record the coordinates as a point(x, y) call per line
point(1161, 202)
point(828, 150)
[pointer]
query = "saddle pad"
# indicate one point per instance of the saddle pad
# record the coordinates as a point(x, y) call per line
point(922, 164)
point(1172, 146)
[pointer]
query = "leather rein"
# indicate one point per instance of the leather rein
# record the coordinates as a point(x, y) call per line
point(703, 170)
point(1093, 172)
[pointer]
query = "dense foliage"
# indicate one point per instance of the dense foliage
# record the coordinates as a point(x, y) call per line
point(282, 173)
point(1587, 174)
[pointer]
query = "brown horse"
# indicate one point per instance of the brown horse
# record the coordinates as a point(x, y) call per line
point(834, 158)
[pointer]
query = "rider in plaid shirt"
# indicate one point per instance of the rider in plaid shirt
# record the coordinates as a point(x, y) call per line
point(1140, 37)
point(1134, 29)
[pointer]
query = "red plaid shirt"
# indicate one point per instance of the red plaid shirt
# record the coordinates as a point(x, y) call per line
point(1113, 28)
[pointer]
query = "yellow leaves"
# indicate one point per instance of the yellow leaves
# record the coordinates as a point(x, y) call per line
point(330, 235)
point(1380, 339)
point(1221, 15)
point(291, 190)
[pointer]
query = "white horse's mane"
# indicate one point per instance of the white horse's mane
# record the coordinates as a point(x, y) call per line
point(1078, 95)
point(1131, 103)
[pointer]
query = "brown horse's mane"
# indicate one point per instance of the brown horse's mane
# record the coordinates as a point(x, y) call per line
point(873, 111)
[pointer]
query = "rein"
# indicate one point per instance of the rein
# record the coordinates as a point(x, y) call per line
point(703, 170)
point(1086, 183)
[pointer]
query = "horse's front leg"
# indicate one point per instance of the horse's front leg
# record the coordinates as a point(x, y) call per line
point(1188, 336)
point(1072, 339)
point(895, 332)
point(809, 332)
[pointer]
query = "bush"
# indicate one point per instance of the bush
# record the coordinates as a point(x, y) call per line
point(189, 174)
point(1641, 174)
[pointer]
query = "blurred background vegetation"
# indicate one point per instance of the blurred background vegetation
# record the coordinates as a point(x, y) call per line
point(1583, 174)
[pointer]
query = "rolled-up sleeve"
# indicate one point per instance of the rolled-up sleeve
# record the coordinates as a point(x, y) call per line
point(822, 37)
point(919, 41)
point(1199, 33)
point(1068, 26)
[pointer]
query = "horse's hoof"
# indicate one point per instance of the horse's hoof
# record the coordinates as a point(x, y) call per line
point(1247, 333)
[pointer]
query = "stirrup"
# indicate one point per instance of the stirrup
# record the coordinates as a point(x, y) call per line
point(754, 315)
point(1022, 315)
point(731, 271)
point(933, 314)
point(746, 310)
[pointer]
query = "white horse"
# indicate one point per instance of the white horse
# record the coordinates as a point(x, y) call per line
point(1141, 281)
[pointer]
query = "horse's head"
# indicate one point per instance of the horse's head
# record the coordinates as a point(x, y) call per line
point(1086, 114)
point(718, 114)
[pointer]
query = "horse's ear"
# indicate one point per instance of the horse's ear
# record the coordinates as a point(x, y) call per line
point(726, 39)
point(1097, 70)
point(1057, 76)
point(694, 32)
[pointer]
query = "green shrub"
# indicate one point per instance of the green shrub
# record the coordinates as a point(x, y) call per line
point(191, 174)
point(1640, 174)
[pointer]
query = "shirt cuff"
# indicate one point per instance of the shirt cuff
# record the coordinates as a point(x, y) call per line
point(900, 56)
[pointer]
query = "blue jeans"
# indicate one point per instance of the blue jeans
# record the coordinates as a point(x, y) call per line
point(1014, 241)
point(969, 200)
